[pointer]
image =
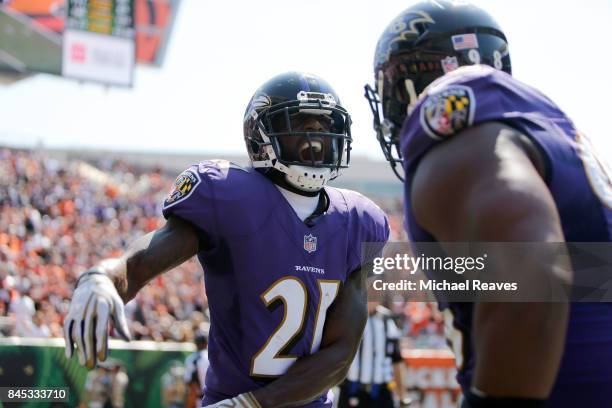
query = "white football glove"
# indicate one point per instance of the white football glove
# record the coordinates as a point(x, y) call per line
point(246, 400)
point(94, 301)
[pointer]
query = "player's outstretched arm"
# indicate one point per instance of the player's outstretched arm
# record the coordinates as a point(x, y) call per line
point(486, 185)
point(313, 375)
point(153, 254)
point(101, 291)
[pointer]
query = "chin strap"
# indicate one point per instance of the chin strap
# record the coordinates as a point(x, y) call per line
point(307, 178)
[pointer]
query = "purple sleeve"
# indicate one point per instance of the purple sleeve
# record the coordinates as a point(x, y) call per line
point(471, 96)
point(192, 199)
point(448, 106)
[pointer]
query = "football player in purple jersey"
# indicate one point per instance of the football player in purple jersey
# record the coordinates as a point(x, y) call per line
point(486, 158)
point(282, 254)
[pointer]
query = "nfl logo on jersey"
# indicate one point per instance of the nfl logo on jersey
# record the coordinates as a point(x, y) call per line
point(310, 243)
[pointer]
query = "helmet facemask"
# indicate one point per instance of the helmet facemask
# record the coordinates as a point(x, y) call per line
point(395, 95)
point(308, 139)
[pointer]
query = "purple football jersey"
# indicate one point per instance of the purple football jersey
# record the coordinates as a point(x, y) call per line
point(269, 277)
point(579, 184)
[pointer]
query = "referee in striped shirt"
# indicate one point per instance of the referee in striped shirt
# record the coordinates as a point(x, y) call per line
point(376, 369)
point(196, 366)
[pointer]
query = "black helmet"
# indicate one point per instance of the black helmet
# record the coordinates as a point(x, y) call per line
point(420, 45)
point(308, 157)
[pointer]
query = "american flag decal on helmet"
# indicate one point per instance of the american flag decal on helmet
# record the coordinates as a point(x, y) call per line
point(310, 243)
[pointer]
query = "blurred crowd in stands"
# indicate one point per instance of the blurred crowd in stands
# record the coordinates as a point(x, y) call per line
point(59, 217)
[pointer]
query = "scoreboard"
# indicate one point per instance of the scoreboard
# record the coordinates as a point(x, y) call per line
point(90, 40)
point(98, 41)
point(109, 17)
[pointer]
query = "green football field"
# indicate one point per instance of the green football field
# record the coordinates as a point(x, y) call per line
point(25, 47)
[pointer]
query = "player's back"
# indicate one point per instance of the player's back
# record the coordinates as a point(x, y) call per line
point(269, 276)
point(578, 182)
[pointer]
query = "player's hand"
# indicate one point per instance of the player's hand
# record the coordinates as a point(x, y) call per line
point(94, 302)
point(246, 400)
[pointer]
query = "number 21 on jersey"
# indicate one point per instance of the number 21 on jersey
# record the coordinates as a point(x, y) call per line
point(291, 291)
